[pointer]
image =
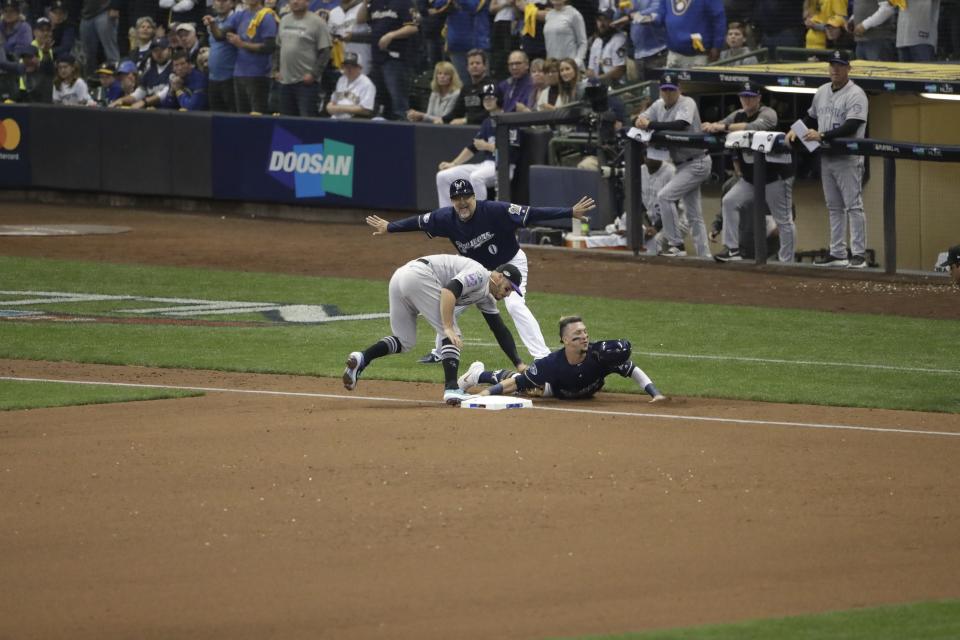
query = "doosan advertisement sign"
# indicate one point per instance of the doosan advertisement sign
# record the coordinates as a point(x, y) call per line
point(357, 164)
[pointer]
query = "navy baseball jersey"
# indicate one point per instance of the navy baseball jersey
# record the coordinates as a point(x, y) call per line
point(490, 236)
point(385, 16)
point(571, 381)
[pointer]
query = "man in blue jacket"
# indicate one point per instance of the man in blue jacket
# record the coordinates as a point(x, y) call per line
point(188, 86)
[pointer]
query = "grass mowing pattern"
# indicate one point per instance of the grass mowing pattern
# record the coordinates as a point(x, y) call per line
point(655, 327)
point(15, 395)
point(923, 621)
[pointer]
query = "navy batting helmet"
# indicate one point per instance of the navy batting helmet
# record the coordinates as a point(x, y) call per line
point(460, 188)
point(491, 89)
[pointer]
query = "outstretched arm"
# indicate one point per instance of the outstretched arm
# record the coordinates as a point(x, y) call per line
point(507, 386)
point(531, 215)
point(504, 337)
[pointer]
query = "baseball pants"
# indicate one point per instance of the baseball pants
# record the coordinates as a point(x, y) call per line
point(842, 178)
point(779, 196)
point(685, 186)
point(526, 324)
point(414, 290)
point(481, 176)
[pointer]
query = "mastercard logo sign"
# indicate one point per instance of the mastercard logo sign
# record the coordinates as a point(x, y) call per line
point(9, 134)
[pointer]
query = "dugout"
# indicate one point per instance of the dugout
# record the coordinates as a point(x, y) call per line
point(910, 103)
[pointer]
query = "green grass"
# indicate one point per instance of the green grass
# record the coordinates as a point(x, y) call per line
point(660, 332)
point(922, 621)
point(16, 394)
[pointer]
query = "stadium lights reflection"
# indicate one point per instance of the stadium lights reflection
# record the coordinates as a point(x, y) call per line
point(939, 96)
point(779, 89)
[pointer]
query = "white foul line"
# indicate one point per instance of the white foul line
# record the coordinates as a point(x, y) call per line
point(631, 414)
point(815, 363)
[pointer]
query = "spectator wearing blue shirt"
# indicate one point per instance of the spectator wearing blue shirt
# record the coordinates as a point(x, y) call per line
point(649, 40)
point(188, 86)
point(696, 30)
point(393, 23)
point(223, 57)
point(109, 89)
point(253, 31)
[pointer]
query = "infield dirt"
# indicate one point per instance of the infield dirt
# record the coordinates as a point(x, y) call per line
point(252, 515)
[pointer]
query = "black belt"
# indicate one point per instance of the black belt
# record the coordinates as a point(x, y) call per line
point(424, 261)
point(683, 162)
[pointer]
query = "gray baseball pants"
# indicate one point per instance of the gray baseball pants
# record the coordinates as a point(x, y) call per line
point(779, 196)
point(842, 178)
point(685, 186)
point(414, 290)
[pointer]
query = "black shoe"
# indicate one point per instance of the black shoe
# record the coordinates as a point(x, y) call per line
point(728, 255)
point(858, 262)
point(831, 261)
point(430, 358)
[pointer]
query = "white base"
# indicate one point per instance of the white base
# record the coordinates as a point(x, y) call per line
point(496, 403)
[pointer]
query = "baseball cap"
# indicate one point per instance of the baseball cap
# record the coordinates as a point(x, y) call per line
point(108, 69)
point(57, 5)
point(11, 4)
point(669, 81)
point(461, 187)
point(839, 57)
point(127, 66)
point(42, 22)
point(513, 276)
point(609, 14)
point(67, 58)
point(27, 51)
point(488, 89)
point(159, 43)
point(351, 57)
point(953, 257)
point(749, 89)
point(187, 26)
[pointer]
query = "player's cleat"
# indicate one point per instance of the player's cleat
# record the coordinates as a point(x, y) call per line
point(430, 358)
point(454, 396)
point(858, 262)
point(830, 261)
point(728, 255)
point(658, 398)
point(472, 377)
point(350, 374)
point(674, 252)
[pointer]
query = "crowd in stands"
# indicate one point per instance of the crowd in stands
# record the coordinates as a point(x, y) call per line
point(365, 58)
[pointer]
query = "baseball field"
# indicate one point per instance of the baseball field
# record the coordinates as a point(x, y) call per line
point(179, 459)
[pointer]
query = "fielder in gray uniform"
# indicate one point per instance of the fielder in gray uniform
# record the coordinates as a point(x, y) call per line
point(839, 110)
point(754, 116)
point(676, 112)
point(433, 286)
